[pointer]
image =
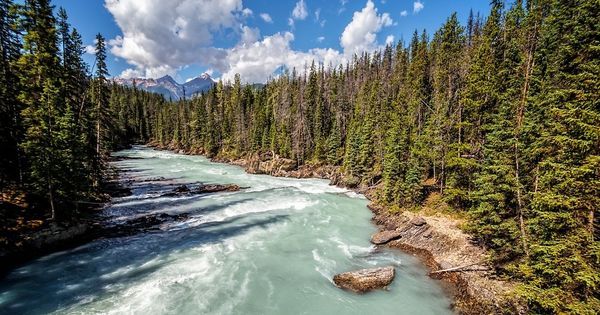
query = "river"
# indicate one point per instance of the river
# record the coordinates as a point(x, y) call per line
point(271, 248)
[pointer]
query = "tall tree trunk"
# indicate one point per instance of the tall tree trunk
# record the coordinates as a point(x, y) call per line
point(51, 196)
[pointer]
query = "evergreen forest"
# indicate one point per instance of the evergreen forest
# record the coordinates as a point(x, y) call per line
point(500, 117)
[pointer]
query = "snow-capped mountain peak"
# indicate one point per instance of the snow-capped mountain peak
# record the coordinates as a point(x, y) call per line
point(168, 87)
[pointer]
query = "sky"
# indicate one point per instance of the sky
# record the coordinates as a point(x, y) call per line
point(255, 38)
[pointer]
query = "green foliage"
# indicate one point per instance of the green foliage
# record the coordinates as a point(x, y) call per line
point(499, 121)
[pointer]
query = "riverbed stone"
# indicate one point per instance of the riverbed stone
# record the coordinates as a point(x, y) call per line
point(418, 221)
point(216, 188)
point(182, 189)
point(384, 237)
point(364, 280)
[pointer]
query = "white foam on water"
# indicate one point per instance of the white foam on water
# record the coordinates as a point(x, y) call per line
point(255, 206)
point(350, 250)
point(262, 250)
point(324, 266)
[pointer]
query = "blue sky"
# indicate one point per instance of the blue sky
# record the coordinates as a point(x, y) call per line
point(185, 38)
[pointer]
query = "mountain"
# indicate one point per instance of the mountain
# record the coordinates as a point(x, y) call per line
point(168, 87)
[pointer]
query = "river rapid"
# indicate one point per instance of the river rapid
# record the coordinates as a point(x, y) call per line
point(271, 248)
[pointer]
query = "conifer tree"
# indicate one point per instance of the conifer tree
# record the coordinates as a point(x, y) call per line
point(41, 99)
point(11, 131)
point(562, 274)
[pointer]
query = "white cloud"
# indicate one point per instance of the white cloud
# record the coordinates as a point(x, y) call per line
point(247, 12)
point(249, 35)
point(266, 17)
point(90, 49)
point(389, 40)
point(258, 61)
point(361, 33)
point(404, 13)
point(318, 18)
point(418, 6)
point(131, 73)
point(300, 11)
point(160, 37)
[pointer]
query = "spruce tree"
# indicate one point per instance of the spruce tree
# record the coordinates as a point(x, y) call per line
point(11, 129)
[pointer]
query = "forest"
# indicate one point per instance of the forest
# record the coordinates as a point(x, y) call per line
point(500, 116)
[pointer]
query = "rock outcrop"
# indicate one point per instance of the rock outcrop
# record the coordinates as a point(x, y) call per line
point(442, 245)
point(365, 280)
point(384, 237)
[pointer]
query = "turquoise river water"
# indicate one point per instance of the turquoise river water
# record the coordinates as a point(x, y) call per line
point(269, 249)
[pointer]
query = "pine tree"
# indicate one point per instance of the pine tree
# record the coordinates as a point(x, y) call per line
point(11, 131)
point(99, 98)
point(41, 98)
point(562, 273)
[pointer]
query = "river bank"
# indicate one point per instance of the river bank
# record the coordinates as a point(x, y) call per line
point(437, 240)
point(272, 246)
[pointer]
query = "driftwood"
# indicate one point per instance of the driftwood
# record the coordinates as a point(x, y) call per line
point(460, 269)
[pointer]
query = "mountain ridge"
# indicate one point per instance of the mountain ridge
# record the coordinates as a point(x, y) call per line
point(168, 87)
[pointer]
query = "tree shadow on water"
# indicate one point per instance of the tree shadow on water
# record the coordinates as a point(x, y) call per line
point(106, 266)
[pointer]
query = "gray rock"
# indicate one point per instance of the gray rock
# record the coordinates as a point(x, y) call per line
point(385, 236)
point(418, 221)
point(365, 280)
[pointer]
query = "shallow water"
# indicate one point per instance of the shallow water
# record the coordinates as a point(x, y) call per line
point(269, 249)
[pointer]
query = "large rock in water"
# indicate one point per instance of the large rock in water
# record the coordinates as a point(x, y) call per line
point(202, 189)
point(365, 280)
point(384, 237)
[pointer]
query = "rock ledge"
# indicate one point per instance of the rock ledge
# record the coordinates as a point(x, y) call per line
point(384, 237)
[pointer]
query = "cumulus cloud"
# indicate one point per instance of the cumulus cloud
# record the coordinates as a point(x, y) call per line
point(300, 11)
point(249, 35)
point(258, 61)
point(361, 33)
point(160, 36)
point(404, 13)
point(418, 6)
point(266, 17)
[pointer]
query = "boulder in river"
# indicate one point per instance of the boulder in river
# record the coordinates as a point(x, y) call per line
point(216, 188)
point(182, 189)
point(384, 237)
point(365, 280)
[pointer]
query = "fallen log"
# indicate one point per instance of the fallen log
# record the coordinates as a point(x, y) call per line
point(460, 269)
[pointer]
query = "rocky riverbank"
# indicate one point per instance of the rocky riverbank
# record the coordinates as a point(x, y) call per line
point(436, 239)
point(43, 237)
point(451, 257)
